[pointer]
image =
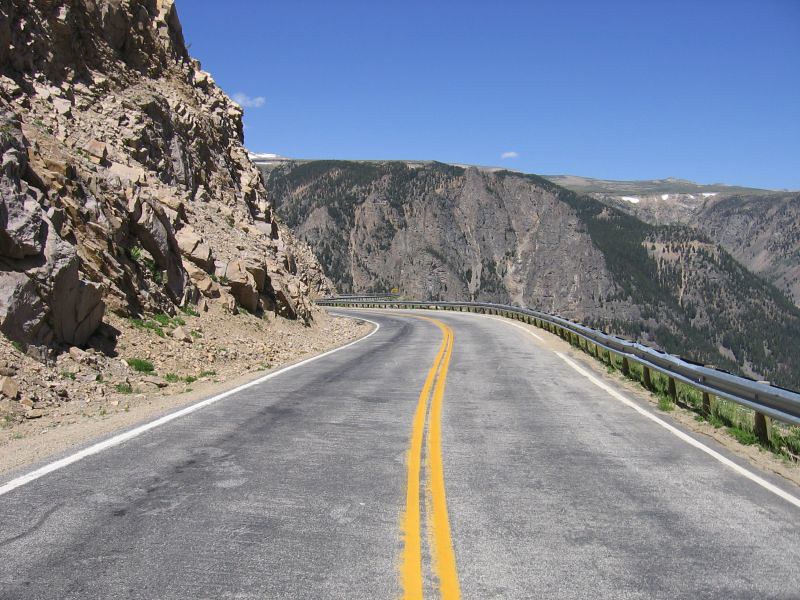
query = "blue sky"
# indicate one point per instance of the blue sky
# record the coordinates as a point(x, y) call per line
point(708, 91)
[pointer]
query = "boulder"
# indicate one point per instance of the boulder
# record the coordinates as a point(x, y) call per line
point(180, 334)
point(22, 229)
point(9, 388)
point(194, 248)
point(242, 284)
point(22, 312)
point(155, 233)
point(259, 273)
point(202, 281)
point(98, 151)
point(76, 306)
point(228, 302)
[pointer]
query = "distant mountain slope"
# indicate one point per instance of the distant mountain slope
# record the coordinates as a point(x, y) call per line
point(670, 185)
point(440, 231)
point(760, 228)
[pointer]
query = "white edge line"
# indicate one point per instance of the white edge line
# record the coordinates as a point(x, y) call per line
point(525, 329)
point(681, 435)
point(672, 429)
point(137, 431)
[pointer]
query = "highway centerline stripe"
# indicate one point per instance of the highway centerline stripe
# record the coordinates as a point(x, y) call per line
point(444, 565)
point(443, 554)
point(411, 568)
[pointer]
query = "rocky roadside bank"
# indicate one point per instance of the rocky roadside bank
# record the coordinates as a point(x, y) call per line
point(159, 364)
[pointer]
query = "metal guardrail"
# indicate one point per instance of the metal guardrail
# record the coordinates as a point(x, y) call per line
point(366, 297)
point(763, 398)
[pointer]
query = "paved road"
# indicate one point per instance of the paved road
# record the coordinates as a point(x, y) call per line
point(303, 487)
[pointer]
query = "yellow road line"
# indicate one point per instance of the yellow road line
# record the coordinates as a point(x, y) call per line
point(444, 565)
point(411, 568)
point(444, 556)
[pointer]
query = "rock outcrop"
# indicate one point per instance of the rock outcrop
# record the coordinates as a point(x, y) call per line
point(125, 185)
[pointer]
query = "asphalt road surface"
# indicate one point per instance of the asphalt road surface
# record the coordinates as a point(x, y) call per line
point(450, 455)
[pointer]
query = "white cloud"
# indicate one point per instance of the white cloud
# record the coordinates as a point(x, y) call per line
point(246, 101)
point(509, 154)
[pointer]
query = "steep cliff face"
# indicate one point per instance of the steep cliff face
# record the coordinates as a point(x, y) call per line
point(125, 184)
point(443, 232)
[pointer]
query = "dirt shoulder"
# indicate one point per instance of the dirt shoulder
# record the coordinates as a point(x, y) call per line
point(83, 396)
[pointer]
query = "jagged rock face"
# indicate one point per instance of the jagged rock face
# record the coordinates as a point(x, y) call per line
point(42, 297)
point(124, 168)
point(443, 232)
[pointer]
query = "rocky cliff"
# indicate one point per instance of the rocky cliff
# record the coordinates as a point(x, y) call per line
point(124, 183)
point(445, 232)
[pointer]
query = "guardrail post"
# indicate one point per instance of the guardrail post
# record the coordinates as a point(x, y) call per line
point(648, 383)
point(626, 369)
point(761, 427)
point(673, 391)
point(706, 404)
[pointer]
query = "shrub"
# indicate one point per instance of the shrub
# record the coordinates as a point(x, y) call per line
point(141, 365)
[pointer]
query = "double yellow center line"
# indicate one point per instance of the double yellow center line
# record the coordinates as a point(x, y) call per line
point(440, 542)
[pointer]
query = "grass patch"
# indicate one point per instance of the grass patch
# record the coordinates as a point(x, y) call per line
point(151, 325)
point(166, 321)
point(785, 439)
point(124, 388)
point(18, 346)
point(748, 438)
point(68, 375)
point(207, 374)
point(665, 404)
point(157, 323)
point(173, 378)
point(141, 365)
point(188, 310)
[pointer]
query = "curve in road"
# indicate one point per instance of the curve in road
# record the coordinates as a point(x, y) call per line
point(296, 487)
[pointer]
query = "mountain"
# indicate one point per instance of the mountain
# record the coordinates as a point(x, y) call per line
point(651, 187)
point(124, 183)
point(758, 227)
point(446, 232)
